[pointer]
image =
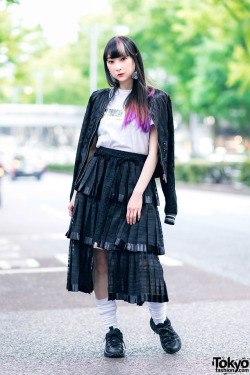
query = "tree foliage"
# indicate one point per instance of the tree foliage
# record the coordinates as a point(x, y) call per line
point(202, 47)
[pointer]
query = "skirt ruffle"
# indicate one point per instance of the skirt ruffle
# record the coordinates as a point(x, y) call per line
point(99, 218)
point(100, 208)
point(97, 179)
point(132, 277)
point(136, 277)
point(104, 222)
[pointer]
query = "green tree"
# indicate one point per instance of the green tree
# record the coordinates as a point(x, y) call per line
point(204, 49)
point(18, 45)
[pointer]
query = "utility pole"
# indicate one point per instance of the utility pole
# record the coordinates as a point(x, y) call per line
point(93, 64)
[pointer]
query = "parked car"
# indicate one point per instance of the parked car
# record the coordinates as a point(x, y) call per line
point(23, 165)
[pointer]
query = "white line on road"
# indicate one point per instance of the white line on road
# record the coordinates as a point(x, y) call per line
point(4, 265)
point(164, 259)
point(33, 270)
point(41, 236)
point(32, 262)
point(62, 257)
point(167, 261)
point(54, 211)
point(18, 262)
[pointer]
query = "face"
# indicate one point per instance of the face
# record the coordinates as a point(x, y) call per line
point(123, 64)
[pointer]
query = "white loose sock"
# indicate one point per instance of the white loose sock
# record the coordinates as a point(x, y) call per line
point(157, 311)
point(107, 310)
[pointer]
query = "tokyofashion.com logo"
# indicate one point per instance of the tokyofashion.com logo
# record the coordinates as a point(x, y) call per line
point(228, 365)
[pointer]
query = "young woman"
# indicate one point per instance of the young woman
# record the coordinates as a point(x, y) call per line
point(126, 141)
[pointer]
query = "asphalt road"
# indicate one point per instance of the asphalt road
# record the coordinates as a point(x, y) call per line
point(44, 329)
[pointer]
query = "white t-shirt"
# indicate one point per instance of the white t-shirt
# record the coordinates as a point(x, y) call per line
point(111, 134)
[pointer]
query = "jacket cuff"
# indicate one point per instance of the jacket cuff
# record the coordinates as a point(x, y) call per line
point(170, 219)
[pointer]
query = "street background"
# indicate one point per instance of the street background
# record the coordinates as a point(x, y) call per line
point(50, 63)
point(47, 330)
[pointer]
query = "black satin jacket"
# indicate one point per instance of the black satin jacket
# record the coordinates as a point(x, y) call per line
point(160, 110)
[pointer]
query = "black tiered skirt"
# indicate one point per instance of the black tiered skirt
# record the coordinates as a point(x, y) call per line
point(98, 219)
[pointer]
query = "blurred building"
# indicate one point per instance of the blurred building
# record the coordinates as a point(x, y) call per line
point(53, 128)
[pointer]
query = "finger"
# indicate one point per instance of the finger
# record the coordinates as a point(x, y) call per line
point(134, 218)
point(131, 217)
point(128, 215)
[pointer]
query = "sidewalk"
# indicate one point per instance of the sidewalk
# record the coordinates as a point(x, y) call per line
point(70, 341)
point(236, 188)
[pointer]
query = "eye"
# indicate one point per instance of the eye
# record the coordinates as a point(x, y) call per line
point(124, 58)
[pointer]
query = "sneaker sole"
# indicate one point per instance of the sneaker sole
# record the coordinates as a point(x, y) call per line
point(109, 355)
point(171, 352)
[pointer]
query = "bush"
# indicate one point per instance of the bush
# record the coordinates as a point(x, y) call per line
point(206, 171)
point(181, 172)
point(198, 170)
point(63, 168)
point(245, 172)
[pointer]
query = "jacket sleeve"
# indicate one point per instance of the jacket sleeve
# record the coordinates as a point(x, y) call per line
point(168, 188)
point(78, 158)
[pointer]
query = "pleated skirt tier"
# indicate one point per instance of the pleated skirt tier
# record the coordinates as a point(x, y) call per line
point(99, 220)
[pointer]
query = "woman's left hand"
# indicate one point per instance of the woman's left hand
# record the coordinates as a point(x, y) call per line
point(134, 208)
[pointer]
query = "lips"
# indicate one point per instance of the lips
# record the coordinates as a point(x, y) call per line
point(119, 75)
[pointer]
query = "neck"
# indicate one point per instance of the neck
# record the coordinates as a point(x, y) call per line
point(120, 88)
point(128, 85)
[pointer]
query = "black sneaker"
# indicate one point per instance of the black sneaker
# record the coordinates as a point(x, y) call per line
point(114, 343)
point(170, 340)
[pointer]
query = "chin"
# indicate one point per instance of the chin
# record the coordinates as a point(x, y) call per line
point(123, 79)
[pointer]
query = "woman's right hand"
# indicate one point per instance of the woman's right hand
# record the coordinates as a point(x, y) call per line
point(72, 203)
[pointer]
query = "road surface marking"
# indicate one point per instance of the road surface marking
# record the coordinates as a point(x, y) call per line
point(63, 258)
point(21, 263)
point(4, 265)
point(32, 262)
point(43, 236)
point(33, 270)
point(171, 262)
point(54, 211)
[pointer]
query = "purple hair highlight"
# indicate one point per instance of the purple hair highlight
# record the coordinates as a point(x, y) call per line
point(132, 114)
point(151, 93)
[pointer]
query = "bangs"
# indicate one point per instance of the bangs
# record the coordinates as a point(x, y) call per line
point(116, 48)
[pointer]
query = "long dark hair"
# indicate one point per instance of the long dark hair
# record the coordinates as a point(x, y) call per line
point(136, 104)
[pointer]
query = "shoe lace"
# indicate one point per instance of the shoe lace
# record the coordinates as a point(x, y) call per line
point(167, 333)
point(114, 338)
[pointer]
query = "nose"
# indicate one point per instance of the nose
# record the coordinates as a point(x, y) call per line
point(117, 66)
